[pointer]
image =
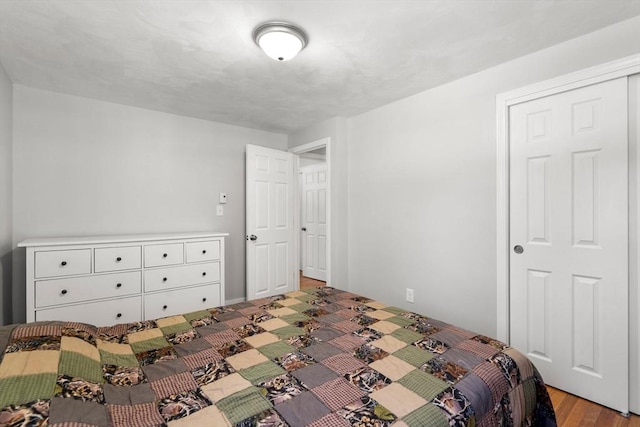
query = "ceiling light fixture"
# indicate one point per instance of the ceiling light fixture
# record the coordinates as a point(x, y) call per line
point(280, 40)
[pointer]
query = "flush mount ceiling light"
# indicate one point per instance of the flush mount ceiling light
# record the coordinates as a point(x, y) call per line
point(280, 40)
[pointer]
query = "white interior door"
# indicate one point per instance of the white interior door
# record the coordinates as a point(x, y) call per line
point(270, 226)
point(314, 221)
point(569, 215)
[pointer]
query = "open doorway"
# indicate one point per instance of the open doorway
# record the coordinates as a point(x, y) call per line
point(312, 213)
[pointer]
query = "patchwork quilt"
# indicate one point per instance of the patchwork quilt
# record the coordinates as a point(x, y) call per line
point(318, 357)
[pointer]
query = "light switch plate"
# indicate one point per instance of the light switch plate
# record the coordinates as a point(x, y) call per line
point(409, 295)
point(223, 198)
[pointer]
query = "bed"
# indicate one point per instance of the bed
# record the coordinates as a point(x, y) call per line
point(318, 357)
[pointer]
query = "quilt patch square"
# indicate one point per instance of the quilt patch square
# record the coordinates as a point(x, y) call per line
point(367, 411)
point(219, 339)
point(225, 386)
point(29, 363)
point(368, 353)
point(276, 349)
point(294, 360)
point(180, 405)
point(406, 336)
point(262, 372)
point(384, 326)
point(233, 347)
point(279, 312)
point(342, 363)
point(202, 358)
point(261, 339)
point(288, 331)
point(347, 342)
point(389, 344)
point(337, 393)
point(150, 344)
point(320, 351)
point(211, 372)
point(77, 411)
point(314, 375)
point(424, 385)
point(243, 404)
point(182, 337)
point(294, 416)
point(379, 314)
point(367, 379)
point(414, 355)
point(398, 399)
point(77, 365)
point(273, 324)
point(156, 356)
point(140, 415)
point(281, 388)
point(392, 367)
point(210, 415)
point(246, 359)
point(426, 415)
point(174, 384)
point(16, 390)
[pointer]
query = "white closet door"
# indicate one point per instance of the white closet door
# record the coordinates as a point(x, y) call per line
point(569, 239)
point(269, 219)
point(314, 221)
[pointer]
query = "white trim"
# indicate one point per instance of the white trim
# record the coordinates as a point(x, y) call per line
point(600, 73)
point(300, 149)
point(313, 156)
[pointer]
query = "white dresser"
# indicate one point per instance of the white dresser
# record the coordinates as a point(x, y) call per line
point(105, 280)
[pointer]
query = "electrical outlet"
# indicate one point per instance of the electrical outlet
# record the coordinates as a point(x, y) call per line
point(409, 295)
point(220, 210)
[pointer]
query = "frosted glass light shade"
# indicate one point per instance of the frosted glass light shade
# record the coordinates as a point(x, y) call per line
point(279, 40)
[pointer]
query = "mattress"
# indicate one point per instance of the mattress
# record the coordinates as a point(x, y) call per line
point(317, 357)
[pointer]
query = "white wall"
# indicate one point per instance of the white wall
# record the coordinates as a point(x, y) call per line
point(336, 130)
point(422, 190)
point(84, 167)
point(6, 176)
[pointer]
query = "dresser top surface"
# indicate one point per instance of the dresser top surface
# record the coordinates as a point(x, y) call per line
point(125, 238)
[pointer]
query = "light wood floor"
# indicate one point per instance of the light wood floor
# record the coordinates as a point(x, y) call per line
point(306, 282)
point(571, 411)
point(576, 412)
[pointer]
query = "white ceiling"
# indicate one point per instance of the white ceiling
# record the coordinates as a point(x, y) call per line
point(197, 58)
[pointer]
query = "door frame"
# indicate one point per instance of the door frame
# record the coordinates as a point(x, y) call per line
point(600, 73)
point(300, 149)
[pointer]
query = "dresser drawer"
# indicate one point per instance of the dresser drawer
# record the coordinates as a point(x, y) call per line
point(203, 251)
point(102, 313)
point(62, 263)
point(181, 301)
point(76, 289)
point(173, 277)
point(115, 259)
point(160, 255)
